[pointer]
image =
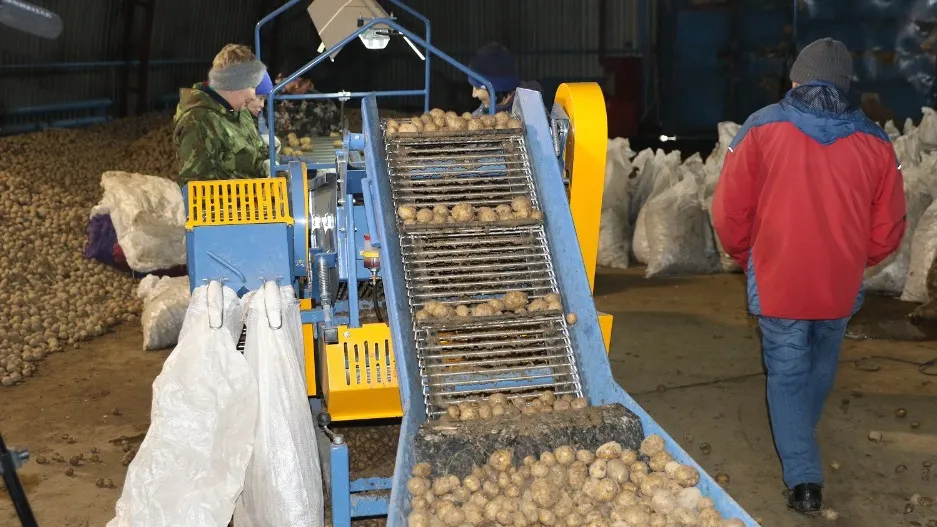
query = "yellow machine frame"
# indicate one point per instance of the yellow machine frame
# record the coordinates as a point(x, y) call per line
point(357, 376)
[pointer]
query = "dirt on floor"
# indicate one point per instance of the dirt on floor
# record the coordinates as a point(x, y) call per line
point(683, 347)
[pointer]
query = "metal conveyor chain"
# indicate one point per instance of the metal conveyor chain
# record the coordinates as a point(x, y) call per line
point(465, 359)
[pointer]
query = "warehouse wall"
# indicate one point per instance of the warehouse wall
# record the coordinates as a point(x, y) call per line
point(724, 59)
point(555, 40)
point(86, 62)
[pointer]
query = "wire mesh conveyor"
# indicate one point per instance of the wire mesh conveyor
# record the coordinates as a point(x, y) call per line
point(465, 359)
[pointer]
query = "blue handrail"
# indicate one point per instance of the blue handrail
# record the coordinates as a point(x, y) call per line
point(271, 98)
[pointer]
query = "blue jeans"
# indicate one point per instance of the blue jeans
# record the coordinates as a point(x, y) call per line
point(801, 357)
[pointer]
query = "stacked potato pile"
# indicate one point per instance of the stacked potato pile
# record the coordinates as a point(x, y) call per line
point(512, 302)
point(498, 404)
point(519, 208)
point(51, 297)
point(567, 487)
point(437, 120)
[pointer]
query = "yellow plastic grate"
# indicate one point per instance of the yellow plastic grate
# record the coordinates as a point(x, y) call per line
point(362, 374)
point(238, 202)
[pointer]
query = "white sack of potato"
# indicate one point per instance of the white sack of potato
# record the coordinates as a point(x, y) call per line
point(615, 227)
point(283, 483)
point(148, 217)
point(889, 276)
point(165, 301)
point(678, 234)
point(923, 253)
point(190, 467)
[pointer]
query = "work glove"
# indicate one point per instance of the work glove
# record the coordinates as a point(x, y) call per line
point(267, 167)
point(266, 140)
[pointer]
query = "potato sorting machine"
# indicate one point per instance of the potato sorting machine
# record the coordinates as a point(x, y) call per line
point(362, 274)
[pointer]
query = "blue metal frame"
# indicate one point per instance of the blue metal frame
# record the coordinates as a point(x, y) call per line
point(389, 22)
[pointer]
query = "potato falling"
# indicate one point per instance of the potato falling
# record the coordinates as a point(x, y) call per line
point(564, 487)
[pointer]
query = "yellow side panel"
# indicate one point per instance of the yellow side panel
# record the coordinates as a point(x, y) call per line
point(309, 347)
point(586, 149)
point(361, 375)
point(238, 202)
point(605, 323)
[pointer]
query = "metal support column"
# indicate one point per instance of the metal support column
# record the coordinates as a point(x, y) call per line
point(138, 37)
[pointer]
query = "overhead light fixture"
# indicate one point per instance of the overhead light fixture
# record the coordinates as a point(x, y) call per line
point(336, 19)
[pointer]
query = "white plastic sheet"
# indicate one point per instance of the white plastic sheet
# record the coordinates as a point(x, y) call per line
point(615, 227)
point(923, 253)
point(190, 468)
point(148, 217)
point(678, 233)
point(165, 301)
point(283, 484)
point(889, 276)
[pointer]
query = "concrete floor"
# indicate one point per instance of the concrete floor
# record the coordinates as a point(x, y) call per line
point(683, 347)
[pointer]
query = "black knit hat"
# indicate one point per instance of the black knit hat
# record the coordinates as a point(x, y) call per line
point(497, 64)
point(825, 60)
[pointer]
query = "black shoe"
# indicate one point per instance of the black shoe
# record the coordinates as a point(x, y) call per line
point(806, 497)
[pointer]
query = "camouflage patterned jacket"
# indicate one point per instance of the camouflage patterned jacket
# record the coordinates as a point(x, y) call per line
point(214, 142)
point(307, 118)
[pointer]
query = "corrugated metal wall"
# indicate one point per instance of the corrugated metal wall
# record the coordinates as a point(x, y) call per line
point(85, 63)
point(555, 41)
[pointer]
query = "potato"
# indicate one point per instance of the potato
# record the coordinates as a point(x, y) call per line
point(484, 411)
point(514, 124)
point(529, 460)
point(705, 503)
point(439, 219)
point(466, 115)
point(475, 124)
point(461, 494)
point(515, 299)
point(426, 118)
point(422, 315)
point(578, 403)
point(521, 203)
point(617, 471)
point(418, 486)
point(564, 455)
point(659, 461)
point(610, 450)
point(409, 222)
point(463, 212)
point(419, 503)
point(651, 484)
point(491, 510)
point(483, 310)
point(442, 486)
point(456, 123)
point(585, 456)
point(467, 412)
point(430, 127)
point(629, 487)
point(407, 128)
point(486, 214)
point(418, 518)
point(688, 498)
point(574, 520)
point(437, 112)
point(547, 458)
point(625, 498)
point(424, 215)
point(635, 515)
point(605, 490)
point(438, 309)
point(577, 474)
point(652, 444)
point(539, 470)
point(686, 516)
point(473, 514)
point(502, 117)
point(500, 460)
point(663, 502)
point(406, 212)
point(488, 120)
point(657, 520)
point(686, 476)
point(421, 470)
point(462, 311)
point(546, 517)
point(496, 304)
point(472, 482)
point(504, 211)
point(392, 131)
point(439, 122)
point(452, 411)
point(598, 469)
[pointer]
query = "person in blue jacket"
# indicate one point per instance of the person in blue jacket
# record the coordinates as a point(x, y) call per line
point(498, 65)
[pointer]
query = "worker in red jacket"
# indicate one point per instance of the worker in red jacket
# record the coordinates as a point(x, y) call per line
point(810, 195)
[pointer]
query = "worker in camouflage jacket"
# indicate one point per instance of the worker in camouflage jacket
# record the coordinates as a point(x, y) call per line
point(497, 64)
point(215, 135)
point(305, 118)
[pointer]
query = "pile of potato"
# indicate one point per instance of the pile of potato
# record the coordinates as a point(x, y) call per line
point(52, 296)
point(516, 302)
point(498, 405)
point(296, 146)
point(520, 208)
point(437, 120)
point(566, 487)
